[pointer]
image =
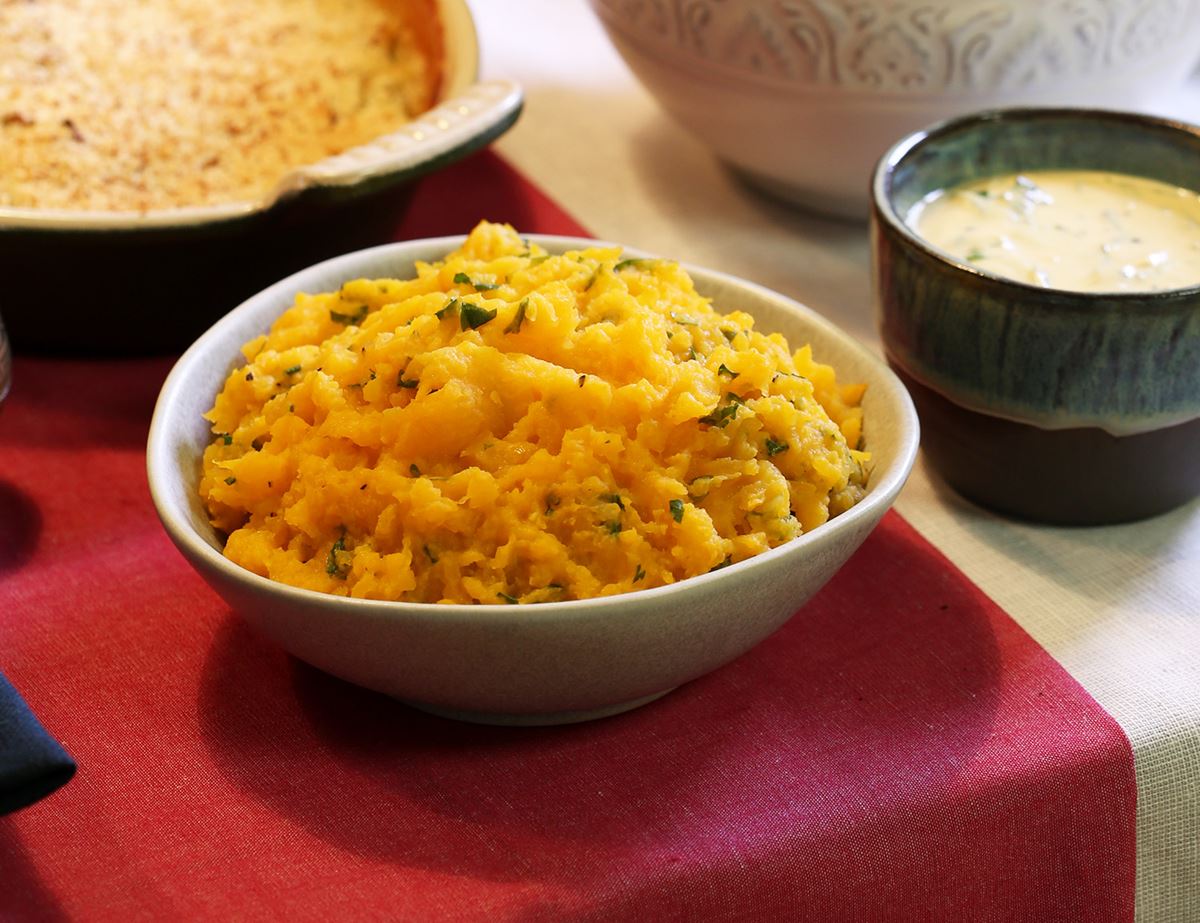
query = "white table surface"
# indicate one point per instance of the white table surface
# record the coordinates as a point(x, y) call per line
point(1118, 606)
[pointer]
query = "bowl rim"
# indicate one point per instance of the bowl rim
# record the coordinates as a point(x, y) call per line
point(884, 209)
point(466, 111)
point(5, 364)
point(878, 499)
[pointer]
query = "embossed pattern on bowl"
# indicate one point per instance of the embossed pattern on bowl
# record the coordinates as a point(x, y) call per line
point(802, 96)
point(910, 47)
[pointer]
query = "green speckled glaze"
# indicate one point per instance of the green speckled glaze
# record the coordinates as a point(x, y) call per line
point(1123, 362)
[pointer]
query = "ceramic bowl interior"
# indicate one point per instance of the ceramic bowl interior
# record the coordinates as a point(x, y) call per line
point(802, 98)
point(988, 144)
point(545, 663)
point(1052, 405)
point(156, 280)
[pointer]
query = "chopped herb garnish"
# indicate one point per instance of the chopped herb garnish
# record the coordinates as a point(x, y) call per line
point(292, 371)
point(982, 193)
point(692, 354)
point(721, 416)
point(683, 319)
point(591, 279)
point(975, 255)
point(613, 498)
point(461, 278)
point(414, 470)
point(332, 566)
point(613, 527)
point(736, 398)
point(231, 480)
point(638, 574)
point(535, 260)
point(355, 318)
point(227, 438)
point(723, 369)
point(635, 261)
point(471, 316)
point(511, 600)
point(728, 334)
point(514, 325)
point(402, 382)
point(676, 510)
point(552, 503)
point(371, 377)
point(774, 447)
point(76, 134)
point(449, 308)
point(433, 558)
point(728, 560)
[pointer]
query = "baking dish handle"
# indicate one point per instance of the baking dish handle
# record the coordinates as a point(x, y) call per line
point(458, 126)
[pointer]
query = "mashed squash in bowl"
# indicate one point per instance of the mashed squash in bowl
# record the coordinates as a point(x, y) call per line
point(512, 426)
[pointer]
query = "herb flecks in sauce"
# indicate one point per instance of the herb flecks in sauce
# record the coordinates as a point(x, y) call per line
point(1076, 230)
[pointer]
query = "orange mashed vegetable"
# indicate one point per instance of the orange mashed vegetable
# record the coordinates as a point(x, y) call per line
point(511, 426)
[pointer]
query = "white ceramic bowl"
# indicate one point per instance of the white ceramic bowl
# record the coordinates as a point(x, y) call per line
point(803, 98)
point(527, 664)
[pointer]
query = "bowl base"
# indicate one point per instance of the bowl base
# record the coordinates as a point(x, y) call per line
point(819, 202)
point(536, 719)
point(1070, 477)
point(153, 291)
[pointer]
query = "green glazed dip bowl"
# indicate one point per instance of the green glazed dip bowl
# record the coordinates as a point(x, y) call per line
point(1049, 405)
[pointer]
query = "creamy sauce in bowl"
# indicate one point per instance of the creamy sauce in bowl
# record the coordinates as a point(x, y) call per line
point(1078, 230)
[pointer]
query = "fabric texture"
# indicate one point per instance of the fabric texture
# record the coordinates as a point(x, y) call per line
point(1117, 607)
point(900, 750)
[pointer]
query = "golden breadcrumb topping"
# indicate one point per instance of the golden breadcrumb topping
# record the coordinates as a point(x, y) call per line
point(111, 105)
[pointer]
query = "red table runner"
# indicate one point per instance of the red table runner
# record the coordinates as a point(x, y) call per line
point(900, 750)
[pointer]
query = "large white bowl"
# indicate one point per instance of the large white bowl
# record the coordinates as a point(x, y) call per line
point(804, 97)
point(526, 664)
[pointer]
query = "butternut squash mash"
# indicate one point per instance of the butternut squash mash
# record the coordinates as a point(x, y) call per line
point(512, 426)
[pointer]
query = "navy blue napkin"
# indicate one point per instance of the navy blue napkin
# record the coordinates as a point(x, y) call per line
point(32, 764)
